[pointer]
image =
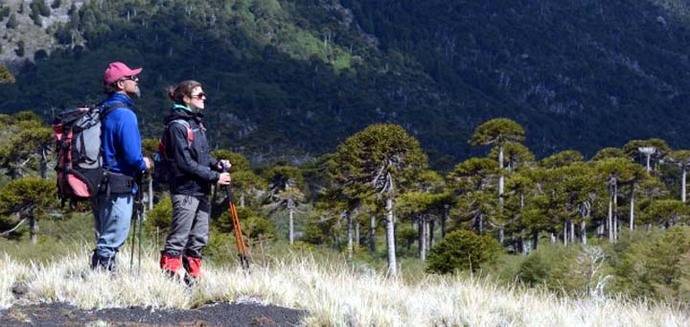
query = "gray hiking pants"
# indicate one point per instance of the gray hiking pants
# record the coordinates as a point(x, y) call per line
point(189, 230)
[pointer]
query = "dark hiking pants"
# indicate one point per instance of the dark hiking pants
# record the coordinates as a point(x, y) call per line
point(189, 230)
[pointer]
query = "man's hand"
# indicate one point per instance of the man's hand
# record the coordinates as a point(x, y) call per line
point(224, 179)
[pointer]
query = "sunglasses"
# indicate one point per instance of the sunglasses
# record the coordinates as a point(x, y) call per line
point(201, 95)
point(131, 78)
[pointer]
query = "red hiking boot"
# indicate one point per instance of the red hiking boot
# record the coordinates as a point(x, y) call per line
point(170, 264)
point(193, 266)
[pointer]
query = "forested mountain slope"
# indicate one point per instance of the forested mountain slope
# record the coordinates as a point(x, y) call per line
point(296, 77)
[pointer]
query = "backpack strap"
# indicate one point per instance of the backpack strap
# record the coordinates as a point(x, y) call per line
point(187, 126)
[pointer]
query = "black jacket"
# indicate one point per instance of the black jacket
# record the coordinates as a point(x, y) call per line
point(192, 165)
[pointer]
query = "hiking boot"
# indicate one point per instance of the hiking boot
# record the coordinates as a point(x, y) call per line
point(102, 263)
point(170, 264)
point(192, 265)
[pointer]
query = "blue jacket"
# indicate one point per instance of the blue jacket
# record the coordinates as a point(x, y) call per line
point(120, 138)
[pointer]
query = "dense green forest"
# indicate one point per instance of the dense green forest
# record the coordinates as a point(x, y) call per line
point(292, 79)
point(614, 224)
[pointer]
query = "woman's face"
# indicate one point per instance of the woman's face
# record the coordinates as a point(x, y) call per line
point(196, 99)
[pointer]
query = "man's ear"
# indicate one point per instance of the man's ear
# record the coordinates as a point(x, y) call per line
point(120, 85)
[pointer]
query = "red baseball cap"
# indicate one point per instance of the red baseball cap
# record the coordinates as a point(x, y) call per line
point(117, 70)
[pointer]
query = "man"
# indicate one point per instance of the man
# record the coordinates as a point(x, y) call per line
point(122, 161)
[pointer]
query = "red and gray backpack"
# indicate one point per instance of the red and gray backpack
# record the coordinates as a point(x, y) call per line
point(77, 134)
point(164, 172)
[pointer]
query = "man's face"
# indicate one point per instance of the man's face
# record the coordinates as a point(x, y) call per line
point(130, 85)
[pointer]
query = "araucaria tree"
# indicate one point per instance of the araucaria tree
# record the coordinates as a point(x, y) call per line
point(498, 132)
point(382, 160)
point(29, 198)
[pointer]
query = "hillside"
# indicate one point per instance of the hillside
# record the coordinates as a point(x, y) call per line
point(294, 78)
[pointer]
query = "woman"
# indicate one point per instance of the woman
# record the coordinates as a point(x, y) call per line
point(193, 171)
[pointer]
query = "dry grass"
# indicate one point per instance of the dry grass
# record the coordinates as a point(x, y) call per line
point(333, 293)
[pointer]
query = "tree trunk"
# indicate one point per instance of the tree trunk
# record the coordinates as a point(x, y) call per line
point(150, 193)
point(553, 238)
point(242, 200)
point(583, 231)
point(422, 239)
point(683, 186)
point(632, 211)
point(649, 167)
point(615, 212)
point(481, 224)
point(609, 220)
point(390, 235)
point(357, 233)
point(565, 233)
point(572, 231)
point(350, 245)
point(43, 164)
point(444, 219)
point(372, 234)
point(501, 178)
point(33, 226)
point(501, 235)
point(292, 226)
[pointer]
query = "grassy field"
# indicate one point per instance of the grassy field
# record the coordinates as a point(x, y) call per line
point(334, 293)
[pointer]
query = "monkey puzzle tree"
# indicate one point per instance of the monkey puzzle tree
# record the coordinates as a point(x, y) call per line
point(609, 152)
point(384, 160)
point(285, 191)
point(472, 181)
point(561, 159)
point(29, 198)
point(498, 132)
point(646, 150)
point(681, 158)
point(29, 140)
point(615, 172)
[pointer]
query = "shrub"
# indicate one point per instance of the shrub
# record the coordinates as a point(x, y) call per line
point(573, 270)
point(656, 266)
point(462, 250)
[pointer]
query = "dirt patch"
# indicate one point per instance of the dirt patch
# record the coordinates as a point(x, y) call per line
point(217, 314)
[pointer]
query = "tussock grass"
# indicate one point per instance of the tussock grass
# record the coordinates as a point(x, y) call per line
point(334, 293)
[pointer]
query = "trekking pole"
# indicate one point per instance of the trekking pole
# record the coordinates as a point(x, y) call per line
point(137, 227)
point(242, 247)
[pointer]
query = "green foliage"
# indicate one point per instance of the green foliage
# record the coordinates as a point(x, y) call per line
point(462, 250)
point(498, 131)
point(159, 219)
point(609, 152)
point(666, 213)
point(238, 161)
point(6, 76)
point(380, 158)
point(26, 198)
point(149, 146)
point(254, 224)
point(570, 270)
point(655, 265)
point(562, 158)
